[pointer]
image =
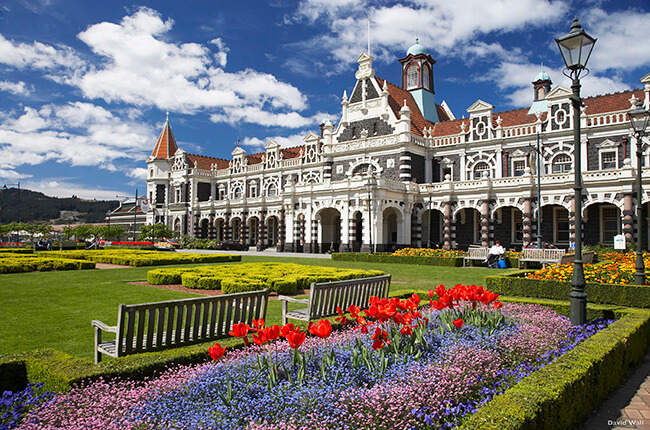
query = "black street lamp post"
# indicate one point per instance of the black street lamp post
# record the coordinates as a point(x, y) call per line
point(639, 119)
point(576, 48)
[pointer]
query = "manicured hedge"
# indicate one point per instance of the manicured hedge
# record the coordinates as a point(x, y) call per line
point(283, 278)
point(27, 263)
point(515, 284)
point(16, 250)
point(139, 258)
point(395, 259)
point(563, 394)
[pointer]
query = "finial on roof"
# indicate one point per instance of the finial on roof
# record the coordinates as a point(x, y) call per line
point(167, 116)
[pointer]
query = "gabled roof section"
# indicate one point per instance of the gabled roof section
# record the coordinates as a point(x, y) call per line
point(166, 145)
point(396, 97)
point(479, 106)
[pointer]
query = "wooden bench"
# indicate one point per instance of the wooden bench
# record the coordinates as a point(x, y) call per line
point(325, 297)
point(543, 256)
point(587, 258)
point(163, 325)
point(475, 253)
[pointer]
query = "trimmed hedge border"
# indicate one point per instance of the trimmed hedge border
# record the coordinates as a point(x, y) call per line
point(139, 258)
point(395, 259)
point(21, 263)
point(514, 284)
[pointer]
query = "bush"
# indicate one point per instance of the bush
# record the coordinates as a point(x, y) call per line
point(388, 258)
point(283, 278)
point(516, 285)
point(30, 263)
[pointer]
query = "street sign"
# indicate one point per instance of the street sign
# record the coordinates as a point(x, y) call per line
point(619, 241)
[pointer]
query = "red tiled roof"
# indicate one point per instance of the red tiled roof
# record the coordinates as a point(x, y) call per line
point(166, 145)
point(396, 97)
point(204, 162)
point(611, 102)
point(293, 152)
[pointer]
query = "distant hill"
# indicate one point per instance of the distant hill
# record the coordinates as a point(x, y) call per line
point(32, 206)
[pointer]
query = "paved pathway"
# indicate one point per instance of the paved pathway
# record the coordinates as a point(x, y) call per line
point(628, 408)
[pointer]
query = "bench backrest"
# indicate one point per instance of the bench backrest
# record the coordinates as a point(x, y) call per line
point(477, 252)
point(325, 297)
point(151, 326)
point(542, 254)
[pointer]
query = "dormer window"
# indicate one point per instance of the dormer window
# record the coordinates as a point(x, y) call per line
point(561, 163)
point(412, 75)
point(362, 170)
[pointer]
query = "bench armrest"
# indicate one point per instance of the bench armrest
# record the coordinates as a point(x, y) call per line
point(100, 325)
point(292, 300)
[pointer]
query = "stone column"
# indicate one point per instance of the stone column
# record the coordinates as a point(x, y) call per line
point(352, 233)
point(261, 231)
point(211, 231)
point(485, 223)
point(227, 230)
point(243, 228)
point(281, 231)
point(527, 221)
point(314, 235)
point(628, 217)
point(196, 224)
point(446, 227)
point(416, 228)
point(405, 166)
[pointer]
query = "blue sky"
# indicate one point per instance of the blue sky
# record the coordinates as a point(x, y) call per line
point(85, 85)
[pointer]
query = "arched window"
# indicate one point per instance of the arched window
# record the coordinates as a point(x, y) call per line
point(272, 190)
point(238, 193)
point(561, 163)
point(426, 77)
point(412, 75)
point(479, 168)
point(364, 169)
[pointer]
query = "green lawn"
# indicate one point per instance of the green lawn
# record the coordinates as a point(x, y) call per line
point(54, 309)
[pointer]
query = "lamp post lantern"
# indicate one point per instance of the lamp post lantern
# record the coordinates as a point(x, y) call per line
point(576, 48)
point(639, 120)
point(370, 184)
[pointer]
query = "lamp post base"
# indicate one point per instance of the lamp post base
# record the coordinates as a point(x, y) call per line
point(578, 301)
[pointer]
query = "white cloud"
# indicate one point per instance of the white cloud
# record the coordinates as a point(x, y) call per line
point(141, 68)
point(137, 173)
point(57, 187)
point(621, 38)
point(515, 80)
point(37, 55)
point(17, 88)
point(446, 27)
point(78, 134)
point(257, 144)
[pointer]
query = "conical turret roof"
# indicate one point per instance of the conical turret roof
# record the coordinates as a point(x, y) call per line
point(166, 145)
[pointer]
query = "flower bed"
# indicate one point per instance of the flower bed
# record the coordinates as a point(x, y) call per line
point(283, 278)
point(614, 269)
point(138, 258)
point(416, 370)
point(427, 252)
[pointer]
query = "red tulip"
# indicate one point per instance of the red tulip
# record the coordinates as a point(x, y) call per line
point(342, 319)
point(216, 351)
point(380, 339)
point(286, 329)
point(240, 330)
point(258, 323)
point(497, 305)
point(296, 338)
point(323, 329)
point(430, 292)
point(407, 330)
point(458, 323)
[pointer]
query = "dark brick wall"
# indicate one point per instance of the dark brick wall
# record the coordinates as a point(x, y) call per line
point(593, 154)
point(417, 168)
point(502, 232)
point(375, 127)
point(465, 232)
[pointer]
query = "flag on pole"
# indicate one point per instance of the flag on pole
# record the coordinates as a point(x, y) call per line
point(144, 206)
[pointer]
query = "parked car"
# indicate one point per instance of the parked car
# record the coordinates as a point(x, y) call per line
point(230, 245)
